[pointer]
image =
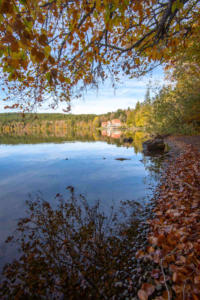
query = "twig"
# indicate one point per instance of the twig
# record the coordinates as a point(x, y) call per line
point(190, 186)
point(184, 290)
point(165, 281)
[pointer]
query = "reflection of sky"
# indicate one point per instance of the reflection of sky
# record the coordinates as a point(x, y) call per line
point(91, 168)
point(35, 164)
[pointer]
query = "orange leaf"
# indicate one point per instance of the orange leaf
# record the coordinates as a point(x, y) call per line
point(142, 295)
point(146, 290)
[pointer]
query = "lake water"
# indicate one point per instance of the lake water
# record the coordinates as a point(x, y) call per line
point(90, 167)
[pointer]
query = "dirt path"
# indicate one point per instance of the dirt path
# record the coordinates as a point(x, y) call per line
point(178, 143)
point(174, 227)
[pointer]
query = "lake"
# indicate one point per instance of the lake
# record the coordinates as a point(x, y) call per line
point(90, 167)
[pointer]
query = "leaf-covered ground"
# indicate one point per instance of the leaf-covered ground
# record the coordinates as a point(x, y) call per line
point(174, 241)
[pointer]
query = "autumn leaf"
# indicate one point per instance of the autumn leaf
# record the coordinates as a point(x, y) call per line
point(146, 291)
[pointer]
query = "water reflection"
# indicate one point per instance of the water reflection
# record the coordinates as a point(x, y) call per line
point(115, 134)
point(59, 132)
point(75, 250)
point(85, 159)
point(154, 165)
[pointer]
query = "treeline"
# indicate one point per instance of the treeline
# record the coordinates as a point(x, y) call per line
point(29, 117)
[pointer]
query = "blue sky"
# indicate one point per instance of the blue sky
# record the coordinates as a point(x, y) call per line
point(128, 92)
point(106, 99)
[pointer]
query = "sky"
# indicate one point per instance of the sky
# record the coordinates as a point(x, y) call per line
point(106, 99)
point(127, 94)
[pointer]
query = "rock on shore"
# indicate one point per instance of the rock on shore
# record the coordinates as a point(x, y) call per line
point(153, 146)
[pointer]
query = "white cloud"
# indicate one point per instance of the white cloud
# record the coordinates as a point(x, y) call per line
point(107, 99)
point(102, 105)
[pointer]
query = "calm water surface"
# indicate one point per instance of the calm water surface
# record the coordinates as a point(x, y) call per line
point(90, 167)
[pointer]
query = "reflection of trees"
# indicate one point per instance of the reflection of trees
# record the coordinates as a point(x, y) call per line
point(58, 131)
point(138, 138)
point(45, 131)
point(153, 164)
point(47, 136)
point(74, 251)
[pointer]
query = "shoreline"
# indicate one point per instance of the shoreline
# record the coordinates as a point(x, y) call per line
point(174, 238)
point(177, 143)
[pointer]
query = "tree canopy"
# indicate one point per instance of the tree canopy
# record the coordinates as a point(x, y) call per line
point(55, 49)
